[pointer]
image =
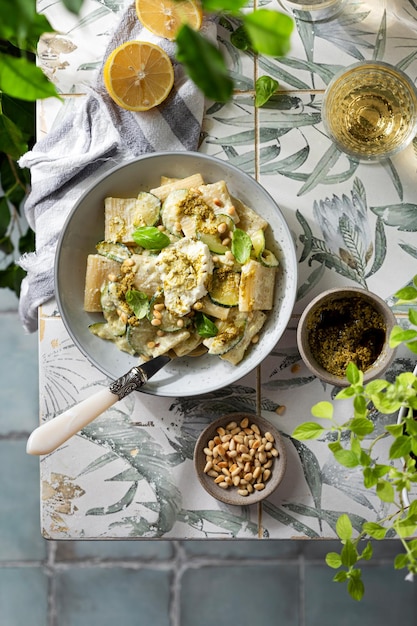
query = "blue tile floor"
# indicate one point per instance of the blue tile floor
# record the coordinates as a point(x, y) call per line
point(157, 583)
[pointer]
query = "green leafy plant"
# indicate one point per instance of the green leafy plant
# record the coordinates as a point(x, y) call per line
point(22, 83)
point(354, 444)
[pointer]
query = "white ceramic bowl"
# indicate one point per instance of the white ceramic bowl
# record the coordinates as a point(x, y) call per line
point(85, 227)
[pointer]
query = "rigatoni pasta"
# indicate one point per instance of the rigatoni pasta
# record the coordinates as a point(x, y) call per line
point(182, 268)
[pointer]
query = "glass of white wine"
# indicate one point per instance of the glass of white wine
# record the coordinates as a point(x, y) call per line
point(369, 110)
point(313, 10)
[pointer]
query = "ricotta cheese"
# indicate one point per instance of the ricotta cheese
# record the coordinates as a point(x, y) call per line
point(185, 268)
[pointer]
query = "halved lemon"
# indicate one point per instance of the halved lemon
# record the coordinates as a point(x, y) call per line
point(164, 17)
point(138, 75)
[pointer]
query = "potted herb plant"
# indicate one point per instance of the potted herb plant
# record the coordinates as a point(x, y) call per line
point(354, 444)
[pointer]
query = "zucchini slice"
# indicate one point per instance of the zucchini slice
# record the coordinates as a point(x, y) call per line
point(213, 242)
point(171, 211)
point(114, 251)
point(213, 238)
point(258, 242)
point(143, 339)
point(230, 334)
point(268, 259)
point(147, 210)
point(224, 289)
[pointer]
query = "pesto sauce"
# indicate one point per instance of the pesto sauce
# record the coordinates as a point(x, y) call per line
point(346, 330)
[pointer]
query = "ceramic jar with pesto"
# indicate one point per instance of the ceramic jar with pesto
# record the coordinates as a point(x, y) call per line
point(344, 325)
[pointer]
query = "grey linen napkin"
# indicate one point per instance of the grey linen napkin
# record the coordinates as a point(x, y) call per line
point(92, 136)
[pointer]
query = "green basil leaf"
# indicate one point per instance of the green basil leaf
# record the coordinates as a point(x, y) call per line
point(265, 87)
point(269, 31)
point(205, 327)
point(150, 238)
point(204, 64)
point(240, 39)
point(231, 6)
point(21, 78)
point(241, 245)
point(138, 301)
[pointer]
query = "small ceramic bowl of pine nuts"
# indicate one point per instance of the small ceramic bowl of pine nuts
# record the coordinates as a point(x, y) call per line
point(240, 458)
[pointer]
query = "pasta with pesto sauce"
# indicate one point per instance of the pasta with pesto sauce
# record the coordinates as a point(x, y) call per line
point(183, 268)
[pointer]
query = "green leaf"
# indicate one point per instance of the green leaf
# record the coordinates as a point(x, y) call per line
point(269, 31)
point(308, 430)
point(204, 64)
point(385, 491)
point(11, 139)
point(360, 407)
point(139, 302)
point(323, 410)
point(20, 78)
point(5, 216)
point(205, 327)
point(73, 5)
point(400, 447)
point(12, 277)
point(334, 446)
point(356, 588)
point(361, 426)
point(27, 242)
point(400, 561)
point(265, 87)
point(412, 316)
point(349, 554)
point(374, 530)
point(344, 527)
point(150, 238)
point(367, 552)
point(231, 6)
point(240, 39)
point(406, 293)
point(21, 24)
point(399, 335)
point(353, 374)
point(241, 245)
point(376, 386)
point(333, 560)
point(395, 429)
point(347, 458)
point(406, 528)
point(340, 577)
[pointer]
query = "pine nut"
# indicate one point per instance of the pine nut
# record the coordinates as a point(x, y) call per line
point(240, 456)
